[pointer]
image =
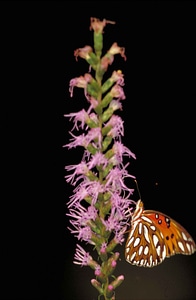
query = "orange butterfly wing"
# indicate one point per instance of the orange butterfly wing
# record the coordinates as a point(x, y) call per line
point(154, 236)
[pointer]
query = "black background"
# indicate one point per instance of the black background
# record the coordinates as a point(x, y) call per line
point(38, 39)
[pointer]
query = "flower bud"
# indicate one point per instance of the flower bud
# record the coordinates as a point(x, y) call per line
point(97, 285)
point(111, 264)
point(117, 281)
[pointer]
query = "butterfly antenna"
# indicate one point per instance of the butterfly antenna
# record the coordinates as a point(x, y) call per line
point(137, 188)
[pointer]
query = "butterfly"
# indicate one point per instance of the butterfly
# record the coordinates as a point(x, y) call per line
point(153, 236)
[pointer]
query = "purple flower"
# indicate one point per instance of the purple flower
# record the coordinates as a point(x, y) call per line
point(103, 248)
point(82, 215)
point(80, 169)
point(115, 49)
point(119, 235)
point(82, 257)
point(79, 194)
point(80, 116)
point(117, 126)
point(98, 271)
point(93, 188)
point(75, 141)
point(83, 52)
point(118, 77)
point(93, 102)
point(97, 160)
point(84, 140)
point(115, 105)
point(117, 92)
point(93, 134)
point(85, 189)
point(121, 150)
point(115, 180)
point(82, 233)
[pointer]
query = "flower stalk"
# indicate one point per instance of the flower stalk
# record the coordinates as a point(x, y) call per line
point(100, 200)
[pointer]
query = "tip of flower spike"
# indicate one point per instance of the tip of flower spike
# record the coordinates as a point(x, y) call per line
point(98, 25)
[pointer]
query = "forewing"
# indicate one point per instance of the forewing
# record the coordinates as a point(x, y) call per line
point(145, 244)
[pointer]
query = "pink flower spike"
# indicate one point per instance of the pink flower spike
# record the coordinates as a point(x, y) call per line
point(100, 207)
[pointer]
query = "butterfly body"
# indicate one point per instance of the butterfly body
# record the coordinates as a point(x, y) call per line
point(153, 236)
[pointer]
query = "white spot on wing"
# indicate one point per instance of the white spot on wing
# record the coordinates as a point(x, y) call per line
point(155, 239)
point(140, 250)
point(184, 236)
point(146, 250)
point(164, 252)
point(130, 241)
point(132, 256)
point(158, 249)
point(136, 242)
point(142, 262)
point(127, 258)
point(161, 234)
point(188, 247)
point(153, 227)
point(180, 244)
point(140, 228)
point(146, 233)
point(144, 218)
